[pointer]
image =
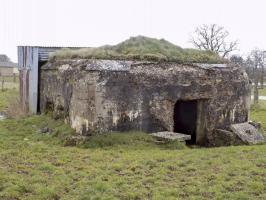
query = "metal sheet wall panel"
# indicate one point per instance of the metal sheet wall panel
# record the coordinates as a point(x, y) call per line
point(25, 57)
point(33, 78)
point(28, 67)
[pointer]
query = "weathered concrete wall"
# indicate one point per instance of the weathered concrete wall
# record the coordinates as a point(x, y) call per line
point(101, 95)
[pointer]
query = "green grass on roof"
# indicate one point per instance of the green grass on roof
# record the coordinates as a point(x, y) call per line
point(141, 48)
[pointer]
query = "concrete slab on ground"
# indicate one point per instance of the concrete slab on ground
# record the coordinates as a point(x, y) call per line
point(172, 136)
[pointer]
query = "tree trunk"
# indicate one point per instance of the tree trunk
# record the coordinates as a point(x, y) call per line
point(3, 84)
point(262, 76)
point(256, 81)
point(256, 94)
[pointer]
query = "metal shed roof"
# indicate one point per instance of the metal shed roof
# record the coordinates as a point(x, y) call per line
point(44, 51)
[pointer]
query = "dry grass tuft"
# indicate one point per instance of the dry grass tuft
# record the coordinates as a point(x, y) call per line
point(14, 109)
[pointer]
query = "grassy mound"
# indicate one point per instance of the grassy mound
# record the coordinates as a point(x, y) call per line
point(141, 48)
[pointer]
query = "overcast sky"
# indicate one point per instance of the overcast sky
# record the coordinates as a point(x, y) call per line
point(99, 22)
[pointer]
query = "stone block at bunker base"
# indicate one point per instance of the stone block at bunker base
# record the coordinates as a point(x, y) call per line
point(172, 136)
point(247, 133)
point(255, 124)
point(226, 138)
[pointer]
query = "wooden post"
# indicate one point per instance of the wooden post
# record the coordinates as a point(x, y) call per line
point(3, 82)
point(14, 77)
point(256, 81)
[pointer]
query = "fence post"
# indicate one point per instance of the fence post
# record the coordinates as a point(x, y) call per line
point(3, 82)
point(14, 77)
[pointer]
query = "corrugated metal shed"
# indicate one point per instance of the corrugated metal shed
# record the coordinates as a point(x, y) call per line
point(29, 59)
point(44, 52)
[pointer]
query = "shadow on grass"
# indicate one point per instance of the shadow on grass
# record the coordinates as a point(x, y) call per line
point(29, 128)
point(131, 139)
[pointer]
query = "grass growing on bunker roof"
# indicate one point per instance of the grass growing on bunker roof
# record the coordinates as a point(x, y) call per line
point(141, 48)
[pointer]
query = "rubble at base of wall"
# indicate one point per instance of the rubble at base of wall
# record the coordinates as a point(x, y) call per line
point(239, 134)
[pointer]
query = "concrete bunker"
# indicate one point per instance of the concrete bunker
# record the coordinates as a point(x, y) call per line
point(99, 95)
point(96, 96)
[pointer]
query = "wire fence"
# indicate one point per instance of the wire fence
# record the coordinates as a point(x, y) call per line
point(9, 82)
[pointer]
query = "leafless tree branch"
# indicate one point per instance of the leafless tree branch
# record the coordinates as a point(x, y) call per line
point(213, 37)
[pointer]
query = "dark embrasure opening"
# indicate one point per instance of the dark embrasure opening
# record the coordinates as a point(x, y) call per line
point(185, 118)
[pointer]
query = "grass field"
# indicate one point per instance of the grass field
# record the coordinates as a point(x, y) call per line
point(6, 96)
point(262, 92)
point(9, 82)
point(123, 166)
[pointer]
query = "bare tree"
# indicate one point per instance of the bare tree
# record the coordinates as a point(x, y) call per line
point(214, 38)
point(237, 59)
point(262, 69)
point(257, 57)
point(249, 64)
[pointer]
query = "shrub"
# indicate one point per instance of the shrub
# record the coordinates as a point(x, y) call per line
point(14, 108)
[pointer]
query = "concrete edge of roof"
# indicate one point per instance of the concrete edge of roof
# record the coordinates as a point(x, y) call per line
point(125, 65)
